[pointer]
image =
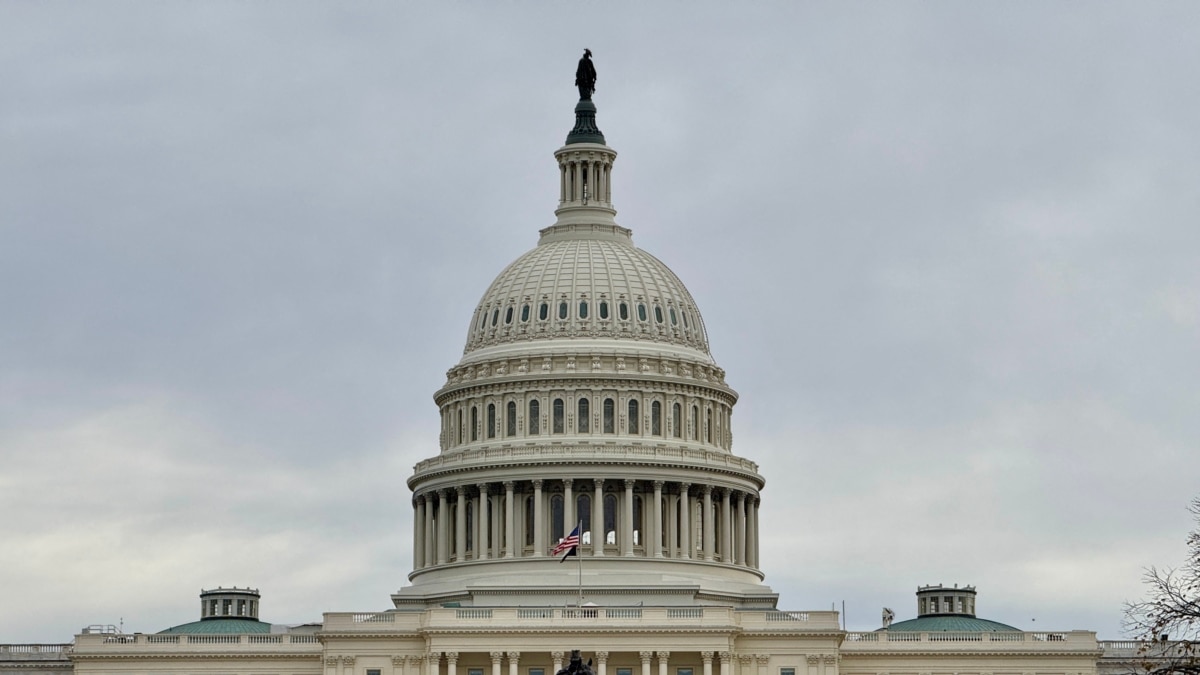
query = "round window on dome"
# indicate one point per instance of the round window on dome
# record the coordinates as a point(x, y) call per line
point(524, 312)
point(562, 310)
point(495, 316)
point(641, 312)
point(658, 314)
point(508, 315)
point(623, 311)
point(603, 309)
point(583, 309)
point(543, 311)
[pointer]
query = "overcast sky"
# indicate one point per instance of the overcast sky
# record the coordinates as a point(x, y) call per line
point(946, 252)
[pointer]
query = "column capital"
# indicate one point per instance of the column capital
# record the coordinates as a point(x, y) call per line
point(645, 656)
point(658, 484)
point(726, 658)
point(347, 660)
point(451, 658)
point(706, 656)
point(706, 490)
point(598, 483)
point(484, 488)
point(746, 659)
point(813, 659)
point(663, 656)
point(419, 500)
point(537, 483)
point(442, 492)
point(508, 485)
point(331, 660)
point(461, 490)
point(568, 483)
point(601, 657)
point(830, 659)
point(762, 658)
point(557, 656)
point(629, 482)
point(414, 660)
point(398, 661)
point(496, 657)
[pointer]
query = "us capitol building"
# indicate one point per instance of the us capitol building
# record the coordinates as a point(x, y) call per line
point(586, 396)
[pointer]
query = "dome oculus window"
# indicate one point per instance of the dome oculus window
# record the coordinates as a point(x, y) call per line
point(583, 309)
point(495, 316)
point(623, 311)
point(524, 312)
point(603, 309)
point(562, 310)
point(543, 311)
point(641, 312)
point(658, 316)
point(508, 315)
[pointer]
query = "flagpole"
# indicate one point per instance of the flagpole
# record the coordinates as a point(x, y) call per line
point(579, 554)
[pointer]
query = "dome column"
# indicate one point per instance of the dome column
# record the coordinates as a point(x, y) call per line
point(419, 533)
point(443, 533)
point(656, 539)
point(726, 526)
point(569, 507)
point(598, 518)
point(509, 539)
point(428, 548)
point(460, 525)
point(482, 522)
point(740, 548)
point(709, 530)
point(685, 528)
point(539, 524)
point(627, 540)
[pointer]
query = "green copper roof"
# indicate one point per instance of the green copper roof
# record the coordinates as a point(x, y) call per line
point(220, 627)
point(950, 624)
point(585, 130)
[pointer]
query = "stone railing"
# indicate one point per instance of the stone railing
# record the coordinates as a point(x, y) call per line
point(34, 652)
point(516, 454)
point(251, 642)
point(1129, 649)
point(1018, 641)
point(549, 617)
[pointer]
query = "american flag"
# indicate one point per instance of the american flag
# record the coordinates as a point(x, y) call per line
point(568, 545)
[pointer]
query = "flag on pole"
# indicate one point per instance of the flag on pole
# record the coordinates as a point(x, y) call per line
point(568, 545)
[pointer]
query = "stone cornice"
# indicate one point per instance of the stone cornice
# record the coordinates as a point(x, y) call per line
point(181, 654)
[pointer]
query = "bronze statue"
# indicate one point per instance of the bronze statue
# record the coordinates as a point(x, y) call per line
point(577, 666)
point(585, 76)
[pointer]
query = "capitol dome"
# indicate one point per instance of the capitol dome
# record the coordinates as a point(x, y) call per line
point(586, 401)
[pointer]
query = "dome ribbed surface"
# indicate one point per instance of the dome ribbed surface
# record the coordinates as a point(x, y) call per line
point(219, 627)
point(949, 624)
point(584, 273)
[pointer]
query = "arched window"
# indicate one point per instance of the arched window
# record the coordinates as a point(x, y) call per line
point(462, 427)
point(510, 424)
point(558, 427)
point(482, 320)
point(674, 320)
point(529, 527)
point(633, 416)
point(583, 511)
point(708, 427)
point(495, 316)
point(543, 311)
point(694, 423)
point(556, 518)
point(677, 420)
point(583, 309)
point(637, 521)
point(658, 315)
point(491, 420)
point(581, 422)
point(641, 311)
point(623, 311)
point(656, 419)
point(508, 315)
point(524, 312)
point(474, 423)
point(562, 309)
point(603, 309)
point(535, 418)
point(685, 319)
point(610, 519)
point(610, 426)
point(471, 526)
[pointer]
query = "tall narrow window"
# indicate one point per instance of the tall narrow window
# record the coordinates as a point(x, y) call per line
point(581, 423)
point(637, 521)
point(623, 311)
point(610, 519)
point(610, 426)
point(529, 525)
point(633, 416)
point(658, 315)
point(603, 309)
point(474, 423)
point(583, 309)
point(510, 424)
point(524, 312)
point(508, 315)
point(491, 420)
point(556, 518)
point(674, 319)
point(694, 424)
point(583, 511)
point(562, 309)
point(559, 427)
point(656, 419)
point(708, 427)
point(495, 316)
point(543, 311)
point(677, 420)
point(462, 427)
point(641, 312)
point(470, 526)
point(535, 418)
